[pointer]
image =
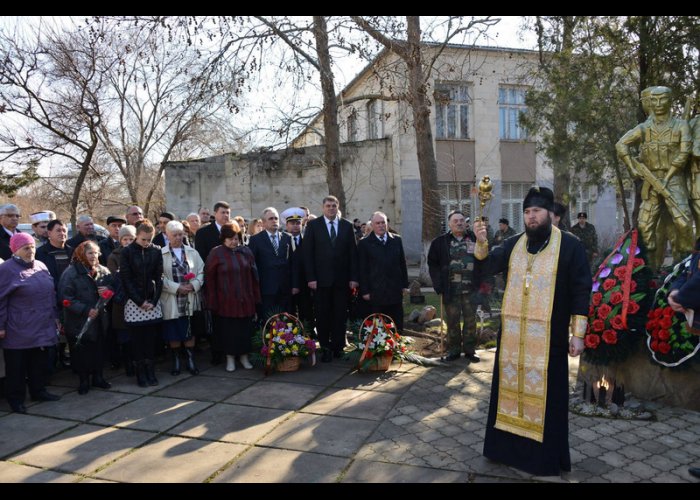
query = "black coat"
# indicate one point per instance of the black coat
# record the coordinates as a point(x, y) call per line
point(79, 238)
point(5, 252)
point(206, 239)
point(383, 273)
point(80, 289)
point(141, 273)
point(45, 255)
point(330, 265)
point(107, 246)
point(274, 271)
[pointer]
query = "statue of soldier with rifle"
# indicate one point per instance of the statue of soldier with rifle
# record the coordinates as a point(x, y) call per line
point(664, 147)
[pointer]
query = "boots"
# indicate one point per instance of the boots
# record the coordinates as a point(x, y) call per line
point(127, 359)
point(151, 372)
point(99, 381)
point(176, 361)
point(84, 386)
point(230, 363)
point(244, 361)
point(190, 362)
point(141, 373)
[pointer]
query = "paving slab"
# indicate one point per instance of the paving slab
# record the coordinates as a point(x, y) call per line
point(82, 449)
point(172, 460)
point(151, 413)
point(363, 471)
point(73, 406)
point(240, 373)
point(337, 436)
point(281, 395)
point(394, 382)
point(231, 423)
point(16, 473)
point(215, 388)
point(353, 403)
point(322, 374)
point(20, 431)
point(128, 385)
point(269, 465)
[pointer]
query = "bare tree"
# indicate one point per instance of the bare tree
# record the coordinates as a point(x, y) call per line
point(50, 89)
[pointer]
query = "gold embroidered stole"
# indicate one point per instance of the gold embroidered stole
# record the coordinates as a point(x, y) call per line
point(524, 349)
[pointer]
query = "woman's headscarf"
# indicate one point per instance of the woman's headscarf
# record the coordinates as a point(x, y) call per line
point(79, 255)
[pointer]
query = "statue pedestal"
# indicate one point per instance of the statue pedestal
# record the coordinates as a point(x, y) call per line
point(650, 381)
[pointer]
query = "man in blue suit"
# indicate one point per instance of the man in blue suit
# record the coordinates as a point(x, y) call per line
point(272, 249)
point(331, 267)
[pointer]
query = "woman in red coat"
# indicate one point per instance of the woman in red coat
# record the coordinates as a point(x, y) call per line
point(232, 291)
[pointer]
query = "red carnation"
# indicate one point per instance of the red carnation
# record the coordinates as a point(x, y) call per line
point(603, 311)
point(637, 262)
point(655, 334)
point(620, 272)
point(615, 298)
point(633, 286)
point(658, 313)
point(189, 276)
point(610, 336)
point(608, 284)
point(66, 303)
point(664, 334)
point(651, 325)
point(617, 323)
point(591, 341)
point(590, 310)
point(596, 298)
point(654, 345)
point(664, 347)
point(666, 322)
point(107, 294)
point(668, 311)
point(633, 307)
point(598, 325)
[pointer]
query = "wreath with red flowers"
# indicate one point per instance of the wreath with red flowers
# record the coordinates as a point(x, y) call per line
point(619, 300)
point(668, 339)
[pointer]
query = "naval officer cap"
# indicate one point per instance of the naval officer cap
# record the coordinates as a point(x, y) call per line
point(293, 213)
point(37, 217)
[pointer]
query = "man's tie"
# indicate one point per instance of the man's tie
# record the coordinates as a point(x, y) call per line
point(333, 233)
point(383, 240)
point(296, 240)
point(275, 243)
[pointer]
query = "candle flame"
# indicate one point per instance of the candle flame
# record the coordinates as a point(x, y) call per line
point(604, 384)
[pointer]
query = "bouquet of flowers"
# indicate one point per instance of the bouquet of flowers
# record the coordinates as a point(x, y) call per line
point(105, 296)
point(283, 338)
point(380, 343)
point(619, 300)
point(668, 338)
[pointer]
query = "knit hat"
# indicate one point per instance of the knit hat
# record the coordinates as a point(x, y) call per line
point(125, 230)
point(19, 240)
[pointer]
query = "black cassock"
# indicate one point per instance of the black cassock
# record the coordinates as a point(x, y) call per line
point(571, 297)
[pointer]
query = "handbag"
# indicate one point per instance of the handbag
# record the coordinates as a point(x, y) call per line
point(136, 316)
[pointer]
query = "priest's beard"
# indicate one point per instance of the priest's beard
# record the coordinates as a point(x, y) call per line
point(541, 231)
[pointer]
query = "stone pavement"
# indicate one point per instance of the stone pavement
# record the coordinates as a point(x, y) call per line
point(320, 424)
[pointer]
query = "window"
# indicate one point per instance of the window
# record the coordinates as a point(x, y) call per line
point(584, 201)
point(352, 126)
point(452, 103)
point(512, 196)
point(511, 103)
point(374, 119)
point(455, 196)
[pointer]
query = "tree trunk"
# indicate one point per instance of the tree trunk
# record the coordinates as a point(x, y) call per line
point(85, 166)
point(427, 165)
point(334, 174)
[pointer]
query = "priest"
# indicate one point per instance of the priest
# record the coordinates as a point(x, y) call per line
point(548, 287)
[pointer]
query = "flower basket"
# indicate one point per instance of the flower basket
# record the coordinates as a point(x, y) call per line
point(285, 343)
point(380, 343)
point(620, 299)
point(288, 365)
point(669, 339)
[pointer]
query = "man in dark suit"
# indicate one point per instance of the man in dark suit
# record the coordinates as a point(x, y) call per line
point(330, 264)
point(9, 220)
point(208, 236)
point(205, 240)
point(272, 249)
point(383, 272)
point(86, 231)
point(108, 245)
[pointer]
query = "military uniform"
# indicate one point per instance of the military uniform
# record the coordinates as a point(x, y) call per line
point(500, 236)
point(588, 236)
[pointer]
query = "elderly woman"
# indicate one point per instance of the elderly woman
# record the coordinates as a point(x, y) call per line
point(127, 235)
point(183, 276)
point(141, 277)
point(79, 290)
point(28, 322)
point(232, 294)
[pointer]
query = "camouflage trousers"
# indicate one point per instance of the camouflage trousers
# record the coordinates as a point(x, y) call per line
point(460, 339)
